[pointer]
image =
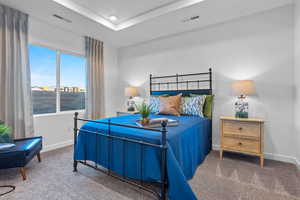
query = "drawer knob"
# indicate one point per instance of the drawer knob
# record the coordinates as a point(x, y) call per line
point(240, 128)
point(240, 144)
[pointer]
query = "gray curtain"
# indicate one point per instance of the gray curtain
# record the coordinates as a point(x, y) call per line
point(15, 91)
point(95, 78)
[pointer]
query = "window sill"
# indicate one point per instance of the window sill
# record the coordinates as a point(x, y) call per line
point(71, 112)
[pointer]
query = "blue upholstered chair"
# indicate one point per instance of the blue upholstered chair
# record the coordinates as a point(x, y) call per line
point(21, 154)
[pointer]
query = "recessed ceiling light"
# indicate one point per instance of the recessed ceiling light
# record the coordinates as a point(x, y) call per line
point(113, 18)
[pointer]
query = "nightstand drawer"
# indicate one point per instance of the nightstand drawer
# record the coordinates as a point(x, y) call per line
point(242, 145)
point(243, 129)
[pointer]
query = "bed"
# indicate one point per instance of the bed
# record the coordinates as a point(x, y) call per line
point(167, 156)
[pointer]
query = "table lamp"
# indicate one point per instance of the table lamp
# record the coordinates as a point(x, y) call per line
point(131, 92)
point(242, 88)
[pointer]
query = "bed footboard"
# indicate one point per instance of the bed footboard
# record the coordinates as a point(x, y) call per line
point(162, 148)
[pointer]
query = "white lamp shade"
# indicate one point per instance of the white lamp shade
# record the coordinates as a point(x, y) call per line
point(131, 92)
point(243, 87)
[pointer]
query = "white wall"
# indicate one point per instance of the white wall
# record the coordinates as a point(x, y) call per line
point(258, 47)
point(297, 80)
point(57, 128)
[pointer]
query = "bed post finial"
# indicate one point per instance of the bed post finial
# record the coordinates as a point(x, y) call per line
point(75, 141)
point(164, 160)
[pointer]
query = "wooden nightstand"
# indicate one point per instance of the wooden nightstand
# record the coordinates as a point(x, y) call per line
point(243, 135)
point(125, 112)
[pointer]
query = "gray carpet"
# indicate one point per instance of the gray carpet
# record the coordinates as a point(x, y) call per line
point(236, 177)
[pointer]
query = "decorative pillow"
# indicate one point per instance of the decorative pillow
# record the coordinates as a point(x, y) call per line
point(208, 105)
point(154, 104)
point(170, 105)
point(193, 105)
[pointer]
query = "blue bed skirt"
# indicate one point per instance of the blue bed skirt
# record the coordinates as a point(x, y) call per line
point(188, 144)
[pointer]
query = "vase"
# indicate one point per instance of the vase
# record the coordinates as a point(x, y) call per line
point(145, 121)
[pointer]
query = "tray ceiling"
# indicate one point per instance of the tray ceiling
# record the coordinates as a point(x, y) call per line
point(129, 12)
point(124, 10)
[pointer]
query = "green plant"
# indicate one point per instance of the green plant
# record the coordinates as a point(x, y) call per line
point(144, 110)
point(5, 133)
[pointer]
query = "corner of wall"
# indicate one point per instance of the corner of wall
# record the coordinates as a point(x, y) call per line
point(296, 81)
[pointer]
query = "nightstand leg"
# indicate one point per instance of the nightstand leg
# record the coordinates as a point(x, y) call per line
point(262, 161)
point(221, 154)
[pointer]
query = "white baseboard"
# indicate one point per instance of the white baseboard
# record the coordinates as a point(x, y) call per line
point(216, 147)
point(57, 146)
point(271, 156)
point(280, 157)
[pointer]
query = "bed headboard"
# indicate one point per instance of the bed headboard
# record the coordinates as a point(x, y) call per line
point(198, 83)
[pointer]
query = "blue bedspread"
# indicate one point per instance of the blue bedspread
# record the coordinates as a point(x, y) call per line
point(188, 144)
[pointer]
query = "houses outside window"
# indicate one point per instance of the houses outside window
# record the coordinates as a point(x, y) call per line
point(58, 80)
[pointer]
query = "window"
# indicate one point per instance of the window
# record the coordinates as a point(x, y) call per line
point(72, 79)
point(43, 79)
point(57, 80)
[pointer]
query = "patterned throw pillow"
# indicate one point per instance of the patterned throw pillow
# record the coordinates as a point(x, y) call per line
point(154, 104)
point(208, 105)
point(192, 105)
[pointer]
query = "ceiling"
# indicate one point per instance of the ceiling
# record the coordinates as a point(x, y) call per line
point(124, 10)
point(139, 20)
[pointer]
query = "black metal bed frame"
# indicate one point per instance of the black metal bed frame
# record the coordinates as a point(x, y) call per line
point(162, 147)
point(187, 90)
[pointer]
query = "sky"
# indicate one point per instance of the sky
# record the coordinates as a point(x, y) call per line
point(43, 68)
